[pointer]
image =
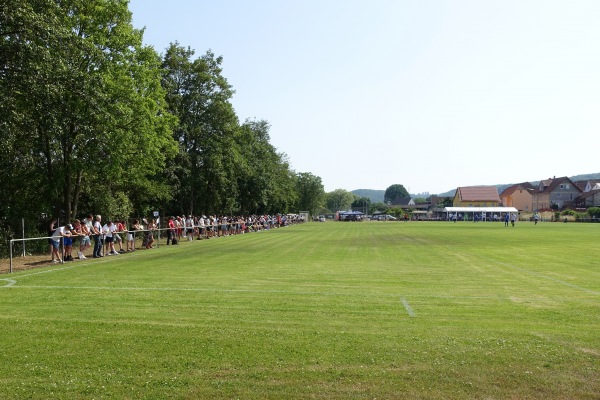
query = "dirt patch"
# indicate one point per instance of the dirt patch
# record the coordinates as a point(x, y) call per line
point(21, 263)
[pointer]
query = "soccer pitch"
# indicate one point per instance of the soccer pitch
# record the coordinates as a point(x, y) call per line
point(420, 310)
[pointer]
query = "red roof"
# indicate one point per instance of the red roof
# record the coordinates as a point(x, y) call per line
point(478, 193)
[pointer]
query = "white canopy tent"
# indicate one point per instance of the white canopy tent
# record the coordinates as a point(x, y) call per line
point(480, 210)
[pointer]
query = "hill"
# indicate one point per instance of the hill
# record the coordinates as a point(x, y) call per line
point(376, 196)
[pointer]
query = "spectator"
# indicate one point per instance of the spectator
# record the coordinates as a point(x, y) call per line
point(120, 227)
point(189, 228)
point(68, 242)
point(171, 230)
point(51, 229)
point(57, 235)
point(85, 242)
point(109, 231)
point(131, 235)
point(149, 235)
point(98, 236)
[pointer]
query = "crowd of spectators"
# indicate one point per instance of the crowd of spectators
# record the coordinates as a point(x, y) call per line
point(109, 236)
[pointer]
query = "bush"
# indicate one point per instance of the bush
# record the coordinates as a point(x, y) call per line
point(594, 212)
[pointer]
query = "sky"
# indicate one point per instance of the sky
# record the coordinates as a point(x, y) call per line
point(431, 95)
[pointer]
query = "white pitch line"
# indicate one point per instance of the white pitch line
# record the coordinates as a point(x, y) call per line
point(11, 282)
point(173, 289)
point(408, 308)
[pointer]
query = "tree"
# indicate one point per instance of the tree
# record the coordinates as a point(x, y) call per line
point(339, 199)
point(310, 192)
point(362, 203)
point(204, 178)
point(378, 207)
point(87, 106)
point(395, 191)
point(265, 182)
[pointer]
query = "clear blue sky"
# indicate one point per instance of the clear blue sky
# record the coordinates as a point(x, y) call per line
point(428, 94)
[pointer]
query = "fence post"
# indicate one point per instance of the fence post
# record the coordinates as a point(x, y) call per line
point(23, 225)
point(11, 255)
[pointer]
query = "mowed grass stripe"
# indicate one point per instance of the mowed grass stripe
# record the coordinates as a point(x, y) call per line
point(315, 311)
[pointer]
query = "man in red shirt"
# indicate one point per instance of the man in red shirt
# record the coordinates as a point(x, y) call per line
point(171, 232)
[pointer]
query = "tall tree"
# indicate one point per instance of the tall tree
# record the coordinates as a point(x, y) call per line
point(395, 191)
point(311, 192)
point(266, 185)
point(89, 108)
point(199, 95)
point(339, 199)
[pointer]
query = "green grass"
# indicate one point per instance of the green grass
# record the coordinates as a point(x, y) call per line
point(322, 310)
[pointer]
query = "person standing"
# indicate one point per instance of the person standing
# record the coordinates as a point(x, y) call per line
point(84, 243)
point(171, 231)
point(536, 218)
point(149, 235)
point(51, 229)
point(109, 230)
point(201, 227)
point(120, 227)
point(98, 237)
point(513, 219)
point(58, 234)
point(506, 217)
point(68, 242)
point(189, 228)
point(131, 235)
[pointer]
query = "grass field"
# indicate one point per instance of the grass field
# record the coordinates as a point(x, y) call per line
point(331, 310)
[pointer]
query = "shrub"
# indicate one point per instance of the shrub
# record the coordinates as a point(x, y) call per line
point(594, 212)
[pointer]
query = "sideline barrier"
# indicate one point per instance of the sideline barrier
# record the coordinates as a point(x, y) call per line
point(199, 231)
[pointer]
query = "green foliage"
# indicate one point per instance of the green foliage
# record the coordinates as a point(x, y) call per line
point(361, 202)
point(594, 212)
point(395, 191)
point(310, 192)
point(265, 181)
point(103, 115)
point(378, 207)
point(339, 200)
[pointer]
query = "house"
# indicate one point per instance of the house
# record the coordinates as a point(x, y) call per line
point(589, 185)
point(440, 201)
point(403, 202)
point(590, 198)
point(476, 196)
point(591, 193)
point(519, 196)
point(555, 193)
